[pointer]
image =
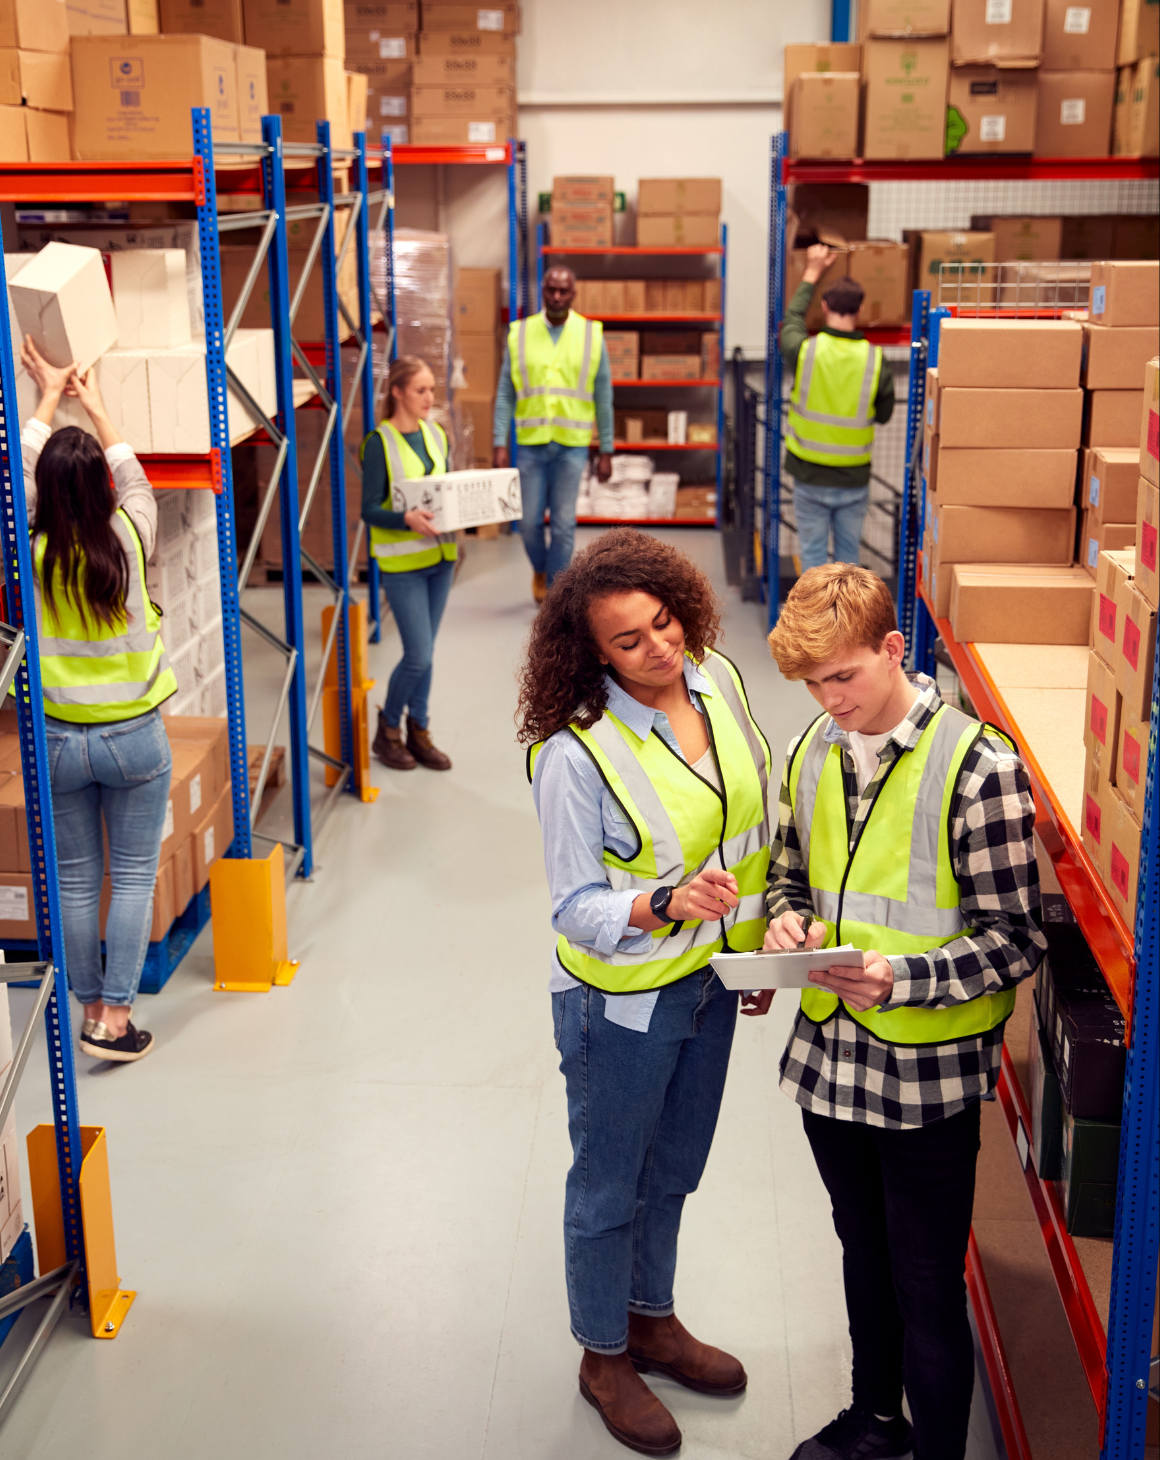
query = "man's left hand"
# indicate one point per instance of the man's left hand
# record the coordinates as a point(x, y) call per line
point(603, 467)
point(757, 1001)
point(862, 988)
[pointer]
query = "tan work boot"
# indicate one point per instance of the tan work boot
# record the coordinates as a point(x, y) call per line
point(388, 746)
point(420, 746)
point(539, 586)
point(630, 1410)
point(665, 1346)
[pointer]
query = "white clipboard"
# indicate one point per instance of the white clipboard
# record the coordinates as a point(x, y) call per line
point(788, 969)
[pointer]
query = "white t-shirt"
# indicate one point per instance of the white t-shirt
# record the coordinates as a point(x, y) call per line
point(864, 749)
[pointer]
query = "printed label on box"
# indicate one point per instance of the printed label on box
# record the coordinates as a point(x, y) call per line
point(992, 129)
point(998, 12)
point(1131, 644)
point(1093, 552)
point(1148, 547)
point(1108, 617)
point(1094, 491)
point(1153, 428)
point(1066, 1053)
point(930, 411)
point(167, 829)
point(481, 131)
point(393, 106)
point(1130, 760)
point(1072, 112)
point(489, 20)
point(1091, 815)
point(1077, 20)
point(14, 904)
point(1121, 872)
point(195, 793)
point(1099, 720)
point(1099, 298)
point(393, 48)
point(207, 845)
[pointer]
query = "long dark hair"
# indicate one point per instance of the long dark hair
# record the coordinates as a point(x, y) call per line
point(562, 679)
point(74, 511)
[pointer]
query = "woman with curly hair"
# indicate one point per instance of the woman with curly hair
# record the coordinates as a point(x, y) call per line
point(649, 776)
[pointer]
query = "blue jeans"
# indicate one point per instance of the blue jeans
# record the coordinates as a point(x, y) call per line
point(642, 1109)
point(120, 769)
point(550, 479)
point(417, 600)
point(820, 509)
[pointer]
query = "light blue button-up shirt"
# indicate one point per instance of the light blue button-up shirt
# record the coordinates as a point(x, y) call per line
point(579, 817)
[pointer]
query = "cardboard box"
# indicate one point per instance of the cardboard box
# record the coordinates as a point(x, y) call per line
point(1122, 111)
point(1004, 534)
point(466, 43)
point(1124, 293)
point(47, 136)
point(823, 114)
point(1150, 424)
point(478, 416)
point(220, 18)
point(1029, 353)
point(1091, 1155)
point(837, 56)
point(991, 109)
point(667, 196)
point(953, 262)
point(40, 79)
point(1130, 766)
point(1087, 237)
point(36, 25)
point(1112, 571)
point(837, 209)
point(904, 18)
point(1097, 536)
point(623, 353)
point(295, 27)
point(133, 100)
point(305, 89)
point(1142, 137)
point(149, 297)
point(1136, 237)
point(1139, 31)
point(253, 95)
point(61, 298)
point(1080, 37)
point(178, 404)
point(467, 71)
point(1020, 604)
point(477, 300)
point(386, 14)
point(1102, 709)
point(369, 43)
point(697, 503)
point(462, 498)
point(670, 367)
point(356, 101)
point(480, 356)
point(1147, 525)
point(1024, 419)
point(1115, 359)
point(463, 132)
point(212, 836)
point(1123, 842)
point(1136, 621)
point(584, 191)
point(1111, 417)
point(1075, 114)
point(124, 381)
point(1109, 483)
point(997, 32)
point(501, 17)
point(1024, 240)
point(678, 230)
point(489, 99)
point(904, 110)
point(882, 268)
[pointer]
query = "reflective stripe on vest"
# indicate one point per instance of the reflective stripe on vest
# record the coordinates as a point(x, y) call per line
point(897, 892)
point(400, 550)
point(555, 382)
point(834, 387)
point(682, 825)
point(92, 673)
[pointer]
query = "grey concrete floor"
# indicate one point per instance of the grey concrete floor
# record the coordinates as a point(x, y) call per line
point(340, 1202)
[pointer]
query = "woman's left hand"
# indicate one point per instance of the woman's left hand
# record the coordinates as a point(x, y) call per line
point(861, 988)
point(418, 519)
point(51, 379)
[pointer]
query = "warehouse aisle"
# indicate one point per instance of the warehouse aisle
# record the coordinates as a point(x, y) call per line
point(340, 1202)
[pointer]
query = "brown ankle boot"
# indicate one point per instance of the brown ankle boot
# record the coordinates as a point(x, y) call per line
point(420, 746)
point(665, 1346)
point(388, 746)
point(630, 1410)
point(539, 586)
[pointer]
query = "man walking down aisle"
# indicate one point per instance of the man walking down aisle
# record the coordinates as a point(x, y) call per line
point(841, 388)
point(556, 380)
point(934, 878)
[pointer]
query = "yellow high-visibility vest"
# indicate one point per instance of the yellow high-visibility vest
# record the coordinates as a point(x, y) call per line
point(831, 418)
point(400, 550)
point(92, 673)
point(555, 381)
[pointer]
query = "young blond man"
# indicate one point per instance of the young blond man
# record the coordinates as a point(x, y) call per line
point(905, 828)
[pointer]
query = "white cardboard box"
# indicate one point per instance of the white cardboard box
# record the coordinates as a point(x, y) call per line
point(150, 298)
point(263, 384)
point(462, 498)
point(62, 300)
point(123, 375)
point(179, 403)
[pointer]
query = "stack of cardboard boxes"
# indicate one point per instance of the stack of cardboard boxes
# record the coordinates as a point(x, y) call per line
point(479, 345)
point(678, 212)
point(636, 298)
point(36, 95)
point(838, 215)
point(1136, 122)
point(305, 49)
point(582, 212)
point(455, 106)
point(183, 577)
point(381, 45)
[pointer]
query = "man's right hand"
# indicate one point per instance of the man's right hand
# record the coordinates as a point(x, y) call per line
point(500, 457)
point(785, 932)
point(819, 257)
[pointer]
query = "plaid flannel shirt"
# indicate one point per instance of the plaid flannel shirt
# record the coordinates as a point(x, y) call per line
point(839, 1068)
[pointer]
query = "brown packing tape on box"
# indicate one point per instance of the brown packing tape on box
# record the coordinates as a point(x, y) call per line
point(1020, 604)
point(1101, 707)
point(1111, 417)
point(1040, 354)
point(1147, 528)
point(1026, 419)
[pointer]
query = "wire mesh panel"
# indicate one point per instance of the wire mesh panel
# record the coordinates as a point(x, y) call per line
point(899, 206)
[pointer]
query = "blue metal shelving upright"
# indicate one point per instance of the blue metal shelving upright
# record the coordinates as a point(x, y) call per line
point(771, 503)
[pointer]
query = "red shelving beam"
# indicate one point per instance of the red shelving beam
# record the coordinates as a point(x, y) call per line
point(638, 252)
point(659, 319)
point(988, 167)
point(664, 445)
point(669, 384)
point(995, 1358)
point(486, 154)
point(647, 521)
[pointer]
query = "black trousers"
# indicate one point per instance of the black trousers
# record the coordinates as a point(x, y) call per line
point(902, 1204)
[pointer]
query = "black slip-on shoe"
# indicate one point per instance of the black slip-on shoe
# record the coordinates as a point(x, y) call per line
point(134, 1044)
point(857, 1434)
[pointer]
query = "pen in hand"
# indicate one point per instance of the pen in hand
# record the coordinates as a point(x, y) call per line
point(807, 923)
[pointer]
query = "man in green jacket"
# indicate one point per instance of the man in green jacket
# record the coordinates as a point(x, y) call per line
point(841, 389)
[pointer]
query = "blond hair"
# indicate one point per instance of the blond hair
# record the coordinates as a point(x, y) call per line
point(831, 609)
point(399, 376)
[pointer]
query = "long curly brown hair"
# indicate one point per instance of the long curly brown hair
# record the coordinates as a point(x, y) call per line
point(562, 679)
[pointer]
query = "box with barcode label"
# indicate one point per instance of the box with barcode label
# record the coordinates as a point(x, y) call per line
point(295, 27)
point(996, 32)
point(462, 498)
point(991, 109)
point(492, 18)
point(17, 911)
point(462, 132)
point(1080, 37)
point(212, 835)
point(1074, 117)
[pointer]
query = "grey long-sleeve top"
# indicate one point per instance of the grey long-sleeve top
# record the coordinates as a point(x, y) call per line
point(131, 487)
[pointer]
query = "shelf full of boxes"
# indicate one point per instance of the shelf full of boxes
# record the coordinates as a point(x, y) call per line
point(1034, 429)
point(666, 372)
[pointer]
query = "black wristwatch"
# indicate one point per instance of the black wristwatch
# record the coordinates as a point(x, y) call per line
point(659, 903)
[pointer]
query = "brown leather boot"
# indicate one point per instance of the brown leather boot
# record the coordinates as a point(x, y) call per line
point(630, 1410)
point(388, 746)
point(420, 746)
point(665, 1346)
point(539, 586)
